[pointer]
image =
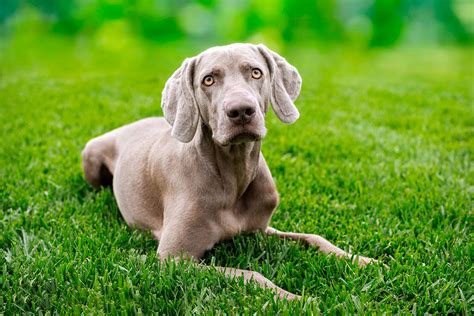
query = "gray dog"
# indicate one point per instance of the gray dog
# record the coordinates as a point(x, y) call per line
point(197, 176)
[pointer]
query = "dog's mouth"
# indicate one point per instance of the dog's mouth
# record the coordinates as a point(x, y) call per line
point(244, 137)
point(241, 138)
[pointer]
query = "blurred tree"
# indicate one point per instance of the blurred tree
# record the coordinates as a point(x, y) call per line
point(231, 20)
point(361, 22)
point(387, 22)
point(157, 20)
point(8, 8)
point(265, 19)
point(452, 28)
point(312, 19)
point(60, 12)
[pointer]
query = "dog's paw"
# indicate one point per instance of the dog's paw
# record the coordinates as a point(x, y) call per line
point(363, 261)
point(287, 295)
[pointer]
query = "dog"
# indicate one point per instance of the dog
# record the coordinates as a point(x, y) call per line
point(197, 176)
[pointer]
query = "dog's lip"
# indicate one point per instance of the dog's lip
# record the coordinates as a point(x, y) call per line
point(242, 137)
point(245, 136)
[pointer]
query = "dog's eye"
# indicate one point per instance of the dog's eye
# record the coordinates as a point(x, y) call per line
point(208, 81)
point(256, 73)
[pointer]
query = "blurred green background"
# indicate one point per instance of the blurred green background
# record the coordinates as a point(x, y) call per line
point(365, 23)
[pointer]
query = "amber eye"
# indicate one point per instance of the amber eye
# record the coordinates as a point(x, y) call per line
point(256, 73)
point(208, 81)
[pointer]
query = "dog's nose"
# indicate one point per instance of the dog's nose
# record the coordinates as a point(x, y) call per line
point(241, 114)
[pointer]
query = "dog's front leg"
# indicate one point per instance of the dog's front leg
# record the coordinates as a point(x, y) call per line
point(193, 239)
point(186, 235)
point(252, 276)
point(323, 245)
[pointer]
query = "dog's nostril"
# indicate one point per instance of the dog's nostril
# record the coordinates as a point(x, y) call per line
point(249, 111)
point(233, 113)
point(241, 114)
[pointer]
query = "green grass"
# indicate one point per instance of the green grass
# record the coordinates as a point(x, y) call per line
point(380, 163)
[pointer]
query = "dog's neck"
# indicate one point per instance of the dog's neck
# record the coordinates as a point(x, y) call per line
point(236, 165)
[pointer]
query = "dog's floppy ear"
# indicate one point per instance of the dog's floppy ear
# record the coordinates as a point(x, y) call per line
point(285, 85)
point(179, 104)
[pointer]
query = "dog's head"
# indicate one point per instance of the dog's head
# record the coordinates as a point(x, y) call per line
point(229, 88)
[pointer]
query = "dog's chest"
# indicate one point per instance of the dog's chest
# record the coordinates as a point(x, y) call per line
point(229, 224)
point(233, 221)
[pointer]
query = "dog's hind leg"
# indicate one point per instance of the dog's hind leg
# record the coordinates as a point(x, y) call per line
point(98, 160)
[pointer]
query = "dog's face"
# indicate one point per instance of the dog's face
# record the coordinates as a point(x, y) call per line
point(232, 90)
point(229, 88)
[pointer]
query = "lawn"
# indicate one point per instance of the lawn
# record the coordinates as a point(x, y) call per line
point(380, 163)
